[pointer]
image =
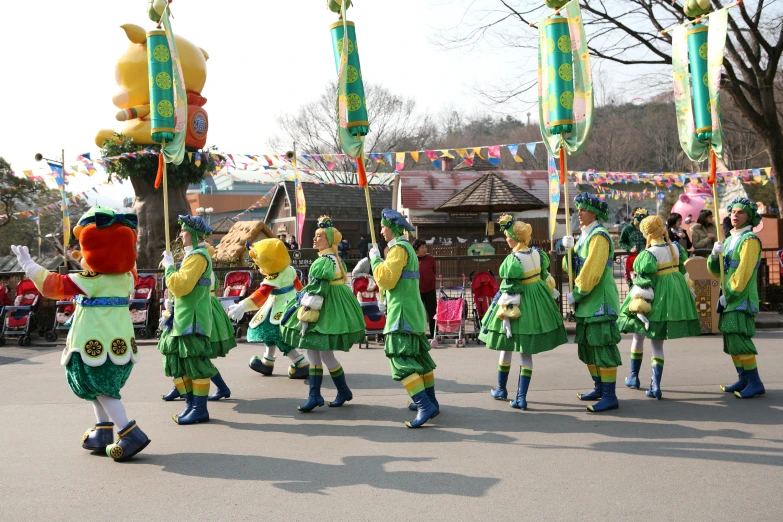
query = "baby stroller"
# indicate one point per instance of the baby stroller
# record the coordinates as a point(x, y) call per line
point(450, 313)
point(22, 317)
point(5, 300)
point(140, 303)
point(237, 286)
point(62, 319)
point(366, 291)
point(483, 287)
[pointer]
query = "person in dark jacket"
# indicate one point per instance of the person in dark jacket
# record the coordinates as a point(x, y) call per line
point(676, 232)
point(364, 246)
point(427, 274)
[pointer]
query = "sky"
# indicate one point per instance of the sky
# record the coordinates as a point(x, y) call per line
point(266, 59)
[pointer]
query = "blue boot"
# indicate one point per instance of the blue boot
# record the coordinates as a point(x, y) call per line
point(172, 395)
point(314, 399)
point(188, 407)
point(431, 395)
point(501, 393)
point(594, 395)
point(633, 379)
point(655, 382)
point(197, 414)
point(264, 367)
point(520, 402)
point(739, 385)
point(99, 437)
point(222, 389)
point(344, 393)
point(130, 441)
point(426, 410)
point(300, 372)
point(754, 387)
point(608, 401)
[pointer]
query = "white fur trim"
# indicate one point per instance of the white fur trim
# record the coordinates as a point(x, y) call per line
point(555, 294)
point(508, 299)
point(314, 302)
point(644, 293)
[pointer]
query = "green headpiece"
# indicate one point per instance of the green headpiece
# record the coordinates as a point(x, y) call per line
point(591, 203)
point(748, 206)
point(197, 227)
point(395, 222)
point(506, 225)
point(325, 222)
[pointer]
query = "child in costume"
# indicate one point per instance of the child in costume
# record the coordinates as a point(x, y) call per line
point(271, 299)
point(524, 316)
point(324, 318)
point(198, 328)
point(221, 340)
point(740, 302)
point(406, 343)
point(596, 301)
point(661, 304)
point(100, 349)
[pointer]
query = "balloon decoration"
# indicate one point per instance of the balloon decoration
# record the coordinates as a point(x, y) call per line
point(697, 58)
point(565, 89)
point(351, 108)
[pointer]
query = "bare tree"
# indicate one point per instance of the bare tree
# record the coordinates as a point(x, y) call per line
point(628, 32)
point(394, 125)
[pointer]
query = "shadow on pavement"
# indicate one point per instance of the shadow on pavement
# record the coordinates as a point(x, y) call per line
point(296, 476)
point(374, 381)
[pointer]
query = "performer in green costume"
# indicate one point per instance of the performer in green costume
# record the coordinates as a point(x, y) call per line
point(661, 303)
point(740, 304)
point(524, 316)
point(406, 343)
point(596, 301)
point(325, 317)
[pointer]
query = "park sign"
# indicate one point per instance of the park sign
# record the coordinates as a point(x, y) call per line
point(303, 258)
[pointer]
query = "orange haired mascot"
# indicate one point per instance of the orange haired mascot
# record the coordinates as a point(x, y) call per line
point(100, 349)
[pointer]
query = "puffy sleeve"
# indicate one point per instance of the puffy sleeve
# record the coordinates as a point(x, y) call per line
point(749, 255)
point(545, 276)
point(387, 273)
point(645, 265)
point(510, 274)
point(56, 286)
point(683, 259)
point(321, 275)
point(593, 269)
point(181, 282)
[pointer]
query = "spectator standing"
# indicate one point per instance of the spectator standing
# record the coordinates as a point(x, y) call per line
point(427, 275)
point(676, 232)
point(364, 246)
point(727, 226)
point(704, 232)
point(632, 240)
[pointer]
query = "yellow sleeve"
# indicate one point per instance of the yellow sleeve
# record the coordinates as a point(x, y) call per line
point(388, 272)
point(181, 282)
point(550, 283)
point(749, 254)
point(593, 269)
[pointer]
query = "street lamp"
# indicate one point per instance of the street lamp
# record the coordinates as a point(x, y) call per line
point(208, 211)
point(61, 162)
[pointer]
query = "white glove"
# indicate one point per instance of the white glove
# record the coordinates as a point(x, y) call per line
point(570, 298)
point(717, 249)
point(237, 311)
point(555, 294)
point(375, 251)
point(168, 259)
point(722, 301)
point(507, 326)
point(162, 323)
point(382, 306)
point(568, 242)
point(303, 325)
point(168, 305)
point(22, 254)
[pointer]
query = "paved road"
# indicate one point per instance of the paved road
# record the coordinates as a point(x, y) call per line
point(697, 455)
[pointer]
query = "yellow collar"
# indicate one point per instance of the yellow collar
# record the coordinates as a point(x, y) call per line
point(657, 242)
point(326, 251)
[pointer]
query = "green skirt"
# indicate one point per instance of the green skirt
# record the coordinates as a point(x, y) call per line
point(673, 313)
point(408, 354)
point(738, 329)
point(597, 340)
point(269, 334)
point(525, 343)
point(88, 382)
point(222, 338)
point(186, 355)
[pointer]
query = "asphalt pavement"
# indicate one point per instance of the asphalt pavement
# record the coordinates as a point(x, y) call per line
point(698, 454)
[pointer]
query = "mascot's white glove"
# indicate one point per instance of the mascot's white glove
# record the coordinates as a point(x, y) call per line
point(568, 242)
point(168, 259)
point(570, 299)
point(168, 305)
point(717, 249)
point(303, 326)
point(22, 254)
point(375, 251)
point(162, 323)
point(237, 311)
point(722, 301)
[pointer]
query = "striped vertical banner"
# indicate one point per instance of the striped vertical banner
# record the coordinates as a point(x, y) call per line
point(554, 195)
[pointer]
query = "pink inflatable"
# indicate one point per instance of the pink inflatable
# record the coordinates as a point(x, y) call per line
point(691, 203)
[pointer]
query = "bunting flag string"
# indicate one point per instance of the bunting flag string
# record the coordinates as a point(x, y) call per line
point(669, 180)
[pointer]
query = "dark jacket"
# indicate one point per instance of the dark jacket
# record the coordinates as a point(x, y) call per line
point(427, 274)
point(684, 242)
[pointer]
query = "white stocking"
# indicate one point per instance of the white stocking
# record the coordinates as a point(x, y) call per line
point(637, 344)
point(115, 409)
point(314, 357)
point(505, 358)
point(270, 352)
point(294, 355)
point(329, 360)
point(100, 413)
point(526, 359)
point(657, 348)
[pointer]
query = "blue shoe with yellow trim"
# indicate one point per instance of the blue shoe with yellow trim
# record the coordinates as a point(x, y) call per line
point(172, 395)
point(197, 414)
point(264, 367)
point(594, 395)
point(739, 385)
point(755, 386)
point(301, 372)
point(426, 410)
point(99, 437)
point(130, 441)
point(608, 401)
